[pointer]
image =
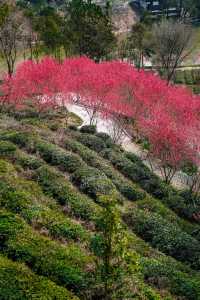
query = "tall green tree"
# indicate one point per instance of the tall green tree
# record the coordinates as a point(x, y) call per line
point(136, 45)
point(88, 30)
point(49, 25)
point(4, 13)
point(115, 263)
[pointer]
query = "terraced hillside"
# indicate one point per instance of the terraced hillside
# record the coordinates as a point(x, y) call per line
point(52, 178)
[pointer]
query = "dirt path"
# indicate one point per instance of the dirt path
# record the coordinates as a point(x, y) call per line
point(104, 125)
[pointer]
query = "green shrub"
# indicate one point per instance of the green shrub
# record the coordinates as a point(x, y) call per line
point(181, 205)
point(35, 210)
point(92, 182)
point(55, 185)
point(92, 158)
point(155, 187)
point(91, 129)
point(165, 276)
point(18, 282)
point(57, 156)
point(92, 141)
point(7, 169)
point(165, 236)
point(179, 77)
point(73, 127)
point(124, 165)
point(7, 148)
point(63, 264)
point(134, 158)
point(139, 173)
point(188, 77)
point(155, 206)
point(28, 161)
point(106, 138)
point(22, 139)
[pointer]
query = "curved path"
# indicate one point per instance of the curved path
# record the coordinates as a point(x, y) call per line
point(105, 125)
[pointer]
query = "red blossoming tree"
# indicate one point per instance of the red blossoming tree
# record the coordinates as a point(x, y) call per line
point(167, 116)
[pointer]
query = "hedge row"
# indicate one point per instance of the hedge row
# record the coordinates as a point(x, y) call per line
point(18, 282)
point(56, 156)
point(66, 265)
point(165, 236)
point(97, 182)
point(89, 180)
point(93, 142)
point(155, 206)
point(7, 149)
point(165, 276)
point(49, 188)
point(187, 76)
point(26, 199)
point(133, 168)
point(90, 157)
point(22, 139)
point(55, 184)
point(182, 202)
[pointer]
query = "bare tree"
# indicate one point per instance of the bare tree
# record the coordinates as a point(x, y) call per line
point(11, 37)
point(171, 42)
point(119, 128)
point(192, 178)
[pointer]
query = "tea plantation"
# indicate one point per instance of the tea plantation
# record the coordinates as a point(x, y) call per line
point(52, 180)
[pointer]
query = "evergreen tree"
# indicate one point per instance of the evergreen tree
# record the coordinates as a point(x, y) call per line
point(88, 30)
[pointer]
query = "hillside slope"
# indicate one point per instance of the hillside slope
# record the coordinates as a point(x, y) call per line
point(51, 176)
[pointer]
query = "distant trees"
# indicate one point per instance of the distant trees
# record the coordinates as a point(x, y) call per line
point(50, 28)
point(135, 46)
point(171, 43)
point(88, 30)
point(79, 28)
point(11, 34)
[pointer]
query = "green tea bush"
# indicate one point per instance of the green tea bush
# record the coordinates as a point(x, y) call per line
point(22, 139)
point(104, 136)
point(73, 127)
point(35, 210)
point(91, 129)
point(55, 185)
point(92, 182)
point(7, 148)
point(28, 161)
point(155, 206)
point(57, 156)
point(177, 202)
point(92, 158)
point(179, 77)
point(92, 141)
point(165, 236)
point(149, 182)
point(165, 276)
point(18, 282)
point(134, 158)
point(65, 265)
point(6, 168)
point(188, 77)
point(124, 165)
